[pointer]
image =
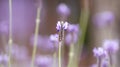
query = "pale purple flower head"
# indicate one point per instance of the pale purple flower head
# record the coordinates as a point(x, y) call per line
point(111, 45)
point(63, 9)
point(18, 52)
point(103, 19)
point(4, 27)
point(99, 52)
point(44, 43)
point(94, 65)
point(72, 33)
point(43, 61)
point(105, 63)
point(4, 59)
point(61, 25)
point(54, 38)
point(73, 28)
point(71, 39)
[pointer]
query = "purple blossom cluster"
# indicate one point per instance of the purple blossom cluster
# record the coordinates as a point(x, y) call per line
point(103, 19)
point(104, 54)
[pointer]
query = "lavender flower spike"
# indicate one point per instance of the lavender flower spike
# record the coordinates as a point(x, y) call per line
point(111, 45)
point(99, 52)
point(62, 25)
point(63, 9)
point(54, 38)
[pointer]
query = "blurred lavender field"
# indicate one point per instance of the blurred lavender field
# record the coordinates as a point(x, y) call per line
point(59, 33)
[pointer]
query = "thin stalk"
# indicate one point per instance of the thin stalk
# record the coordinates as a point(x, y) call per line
point(10, 32)
point(71, 56)
point(83, 27)
point(36, 37)
point(59, 54)
point(54, 56)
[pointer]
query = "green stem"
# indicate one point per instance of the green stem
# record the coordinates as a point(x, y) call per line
point(10, 32)
point(36, 37)
point(59, 54)
point(71, 56)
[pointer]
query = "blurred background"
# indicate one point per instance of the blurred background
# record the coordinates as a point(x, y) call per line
point(102, 23)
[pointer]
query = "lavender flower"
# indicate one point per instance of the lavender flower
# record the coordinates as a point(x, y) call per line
point(4, 59)
point(94, 65)
point(44, 43)
point(111, 45)
point(19, 52)
point(73, 33)
point(99, 52)
point(61, 25)
point(4, 27)
point(63, 10)
point(104, 18)
point(43, 61)
point(54, 37)
point(105, 63)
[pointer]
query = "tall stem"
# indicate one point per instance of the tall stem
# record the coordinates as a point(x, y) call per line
point(10, 32)
point(59, 54)
point(71, 56)
point(36, 37)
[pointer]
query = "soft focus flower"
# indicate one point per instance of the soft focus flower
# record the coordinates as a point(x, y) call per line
point(43, 43)
point(71, 39)
point(103, 18)
point(72, 33)
point(99, 52)
point(61, 25)
point(43, 61)
point(73, 28)
point(54, 38)
point(94, 65)
point(111, 45)
point(4, 27)
point(19, 52)
point(63, 9)
point(105, 63)
point(4, 59)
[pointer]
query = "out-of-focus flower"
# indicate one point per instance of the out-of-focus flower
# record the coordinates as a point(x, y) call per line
point(43, 61)
point(111, 45)
point(43, 43)
point(19, 52)
point(105, 63)
point(73, 28)
point(54, 38)
point(103, 18)
point(61, 25)
point(4, 59)
point(94, 65)
point(99, 52)
point(63, 9)
point(4, 27)
point(73, 33)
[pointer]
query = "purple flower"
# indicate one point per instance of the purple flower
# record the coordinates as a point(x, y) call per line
point(4, 58)
point(43, 61)
point(71, 38)
point(63, 9)
point(72, 33)
point(73, 28)
point(105, 63)
point(61, 25)
point(99, 52)
point(19, 52)
point(94, 65)
point(104, 18)
point(111, 45)
point(54, 38)
point(44, 43)
point(4, 27)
